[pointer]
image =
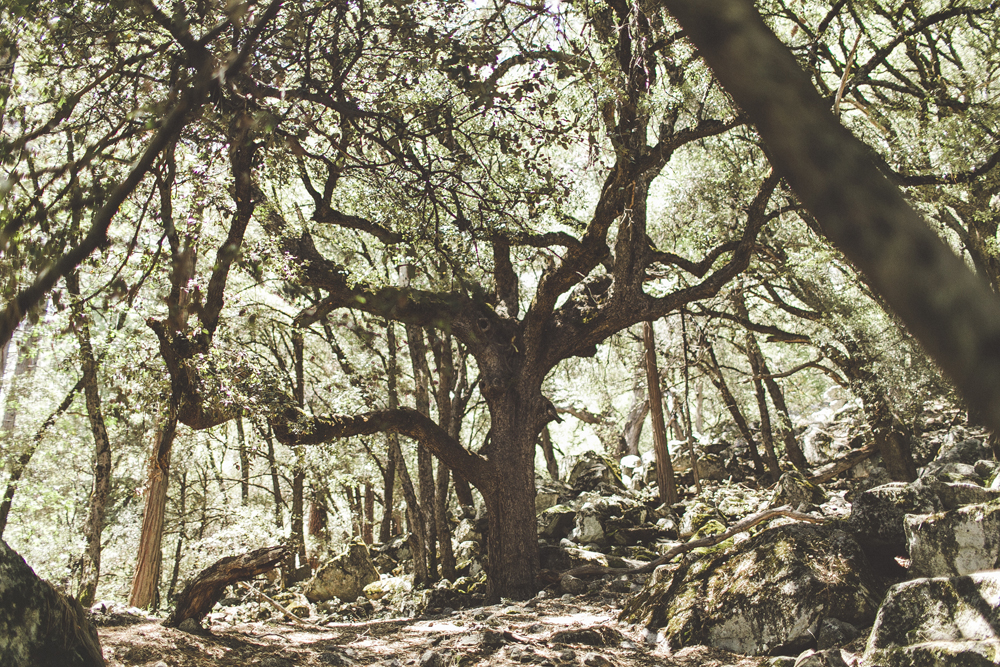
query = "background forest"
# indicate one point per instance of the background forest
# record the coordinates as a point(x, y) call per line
point(304, 271)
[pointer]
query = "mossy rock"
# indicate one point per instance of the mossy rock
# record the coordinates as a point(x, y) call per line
point(764, 594)
point(938, 621)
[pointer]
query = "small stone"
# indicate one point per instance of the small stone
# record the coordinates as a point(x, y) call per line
point(189, 625)
point(572, 585)
point(431, 658)
point(596, 660)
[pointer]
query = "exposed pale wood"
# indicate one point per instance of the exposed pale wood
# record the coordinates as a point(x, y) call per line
point(202, 592)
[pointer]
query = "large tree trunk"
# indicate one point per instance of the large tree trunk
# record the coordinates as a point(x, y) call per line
point(664, 466)
point(101, 489)
point(146, 581)
point(512, 541)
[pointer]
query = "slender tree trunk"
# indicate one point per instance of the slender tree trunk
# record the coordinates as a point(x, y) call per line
point(765, 420)
point(296, 567)
point(448, 561)
point(279, 519)
point(181, 522)
point(635, 420)
point(719, 380)
point(368, 523)
point(792, 448)
point(241, 442)
point(548, 451)
point(26, 356)
point(146, 581)
point(420, 573)
point(388, 489)
point(687, 406)
point(101, 489)
point(18, 466)
point(664, 466)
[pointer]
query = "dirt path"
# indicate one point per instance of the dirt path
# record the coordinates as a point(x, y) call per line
point(545, 632)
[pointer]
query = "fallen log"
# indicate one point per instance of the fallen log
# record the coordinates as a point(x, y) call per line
point(848, 461)
point(739, 527)
point(202, 592)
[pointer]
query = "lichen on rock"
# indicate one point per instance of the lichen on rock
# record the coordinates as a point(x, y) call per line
point(766, 594)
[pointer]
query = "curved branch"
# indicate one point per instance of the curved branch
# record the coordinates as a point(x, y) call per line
point(294, 427)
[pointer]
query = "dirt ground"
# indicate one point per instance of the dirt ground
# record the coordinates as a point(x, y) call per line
point(563, 632)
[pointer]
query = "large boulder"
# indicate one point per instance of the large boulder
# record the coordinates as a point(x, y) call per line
point(344, 577)
point(40, 627)
point(768, 594)
point(590, 471)
point(940, 622)
point(953, 543)
point(877, 519)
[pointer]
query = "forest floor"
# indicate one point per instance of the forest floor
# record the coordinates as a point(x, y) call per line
point(547, 632)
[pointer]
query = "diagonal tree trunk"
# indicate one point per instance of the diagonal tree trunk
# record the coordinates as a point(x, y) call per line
point(101, 489)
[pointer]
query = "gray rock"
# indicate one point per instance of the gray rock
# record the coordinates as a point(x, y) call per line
point(948, 622)
point(697, 515)
point(794, 489)
point(431, 658)
point(762, 595)
point(829, 658)
point(190, 626)
point(572, 585)
point(596, 660)
point(587, 528)
point(966, 451)
point(877, 517)
point(344, 577)
point(39, 625)
point(590, 470)
point(954, 543)
point(556, 522)
point(834, 632)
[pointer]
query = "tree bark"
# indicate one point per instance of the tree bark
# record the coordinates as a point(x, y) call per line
point(146, 581)
point(181, 522)
point(634, 422)
point(664, 466)
point(279, 519)
point(241, 442)
point(368, 520)
point(420, 574)
point(388, 489)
